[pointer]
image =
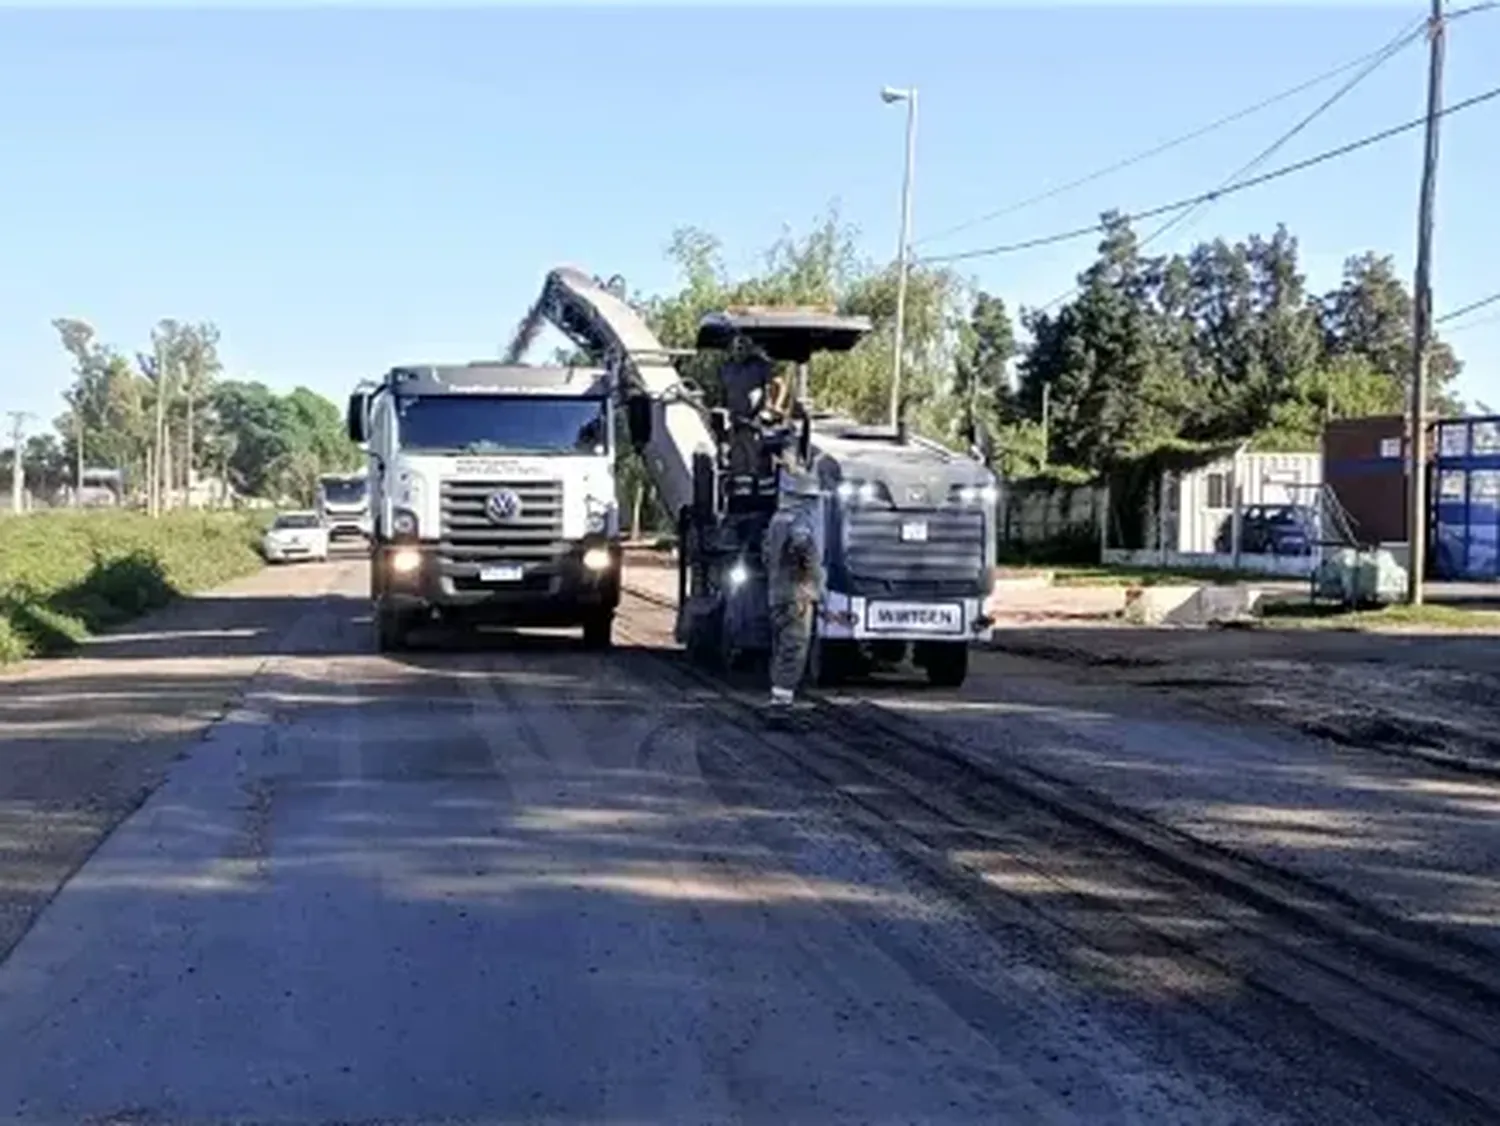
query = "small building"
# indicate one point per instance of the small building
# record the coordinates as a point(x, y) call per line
point(1209, 508)
point(1364, 464)
point(1465, 500)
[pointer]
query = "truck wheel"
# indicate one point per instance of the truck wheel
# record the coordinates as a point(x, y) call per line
point(703, 634)
point(390, 631)
point(948, 664)
point(598, 632)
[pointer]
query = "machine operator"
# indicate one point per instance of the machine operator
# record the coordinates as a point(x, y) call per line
point(754, 394)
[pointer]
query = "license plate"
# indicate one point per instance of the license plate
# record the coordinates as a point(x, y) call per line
point(936, 619)
point(505, 573)
point(914, 531)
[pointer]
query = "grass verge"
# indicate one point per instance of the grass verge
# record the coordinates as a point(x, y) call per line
point(67, 575)
point(1096, 575)
point(1429, 616)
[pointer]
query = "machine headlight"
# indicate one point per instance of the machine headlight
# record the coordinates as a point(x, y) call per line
point(865, 492)
point(738, 576)
point(597, 559)
point(405, 560)
point(404, 523)
point(978, 494)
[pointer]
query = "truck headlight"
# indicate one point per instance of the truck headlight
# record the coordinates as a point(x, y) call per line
point(596, 559)
point(739, 575)
point(405, 560)
point(404, 523)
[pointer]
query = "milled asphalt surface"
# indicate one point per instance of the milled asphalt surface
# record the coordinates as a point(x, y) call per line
point(1416, 840)
point(517, 882)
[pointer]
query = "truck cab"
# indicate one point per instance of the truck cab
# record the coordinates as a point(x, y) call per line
point(493, 500)
point(343, 505)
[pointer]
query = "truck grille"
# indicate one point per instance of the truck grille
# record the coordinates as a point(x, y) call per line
point(949, 562)
point(468, 535)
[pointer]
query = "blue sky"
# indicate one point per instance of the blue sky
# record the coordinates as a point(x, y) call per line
point(341, 189)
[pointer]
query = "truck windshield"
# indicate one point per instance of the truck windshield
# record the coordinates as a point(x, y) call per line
point(343, 492)
point(530, 424)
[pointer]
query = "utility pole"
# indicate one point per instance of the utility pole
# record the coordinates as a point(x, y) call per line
point(890, 95)
point(78, 441)
point(1046, 424)
point(1416, 514)
point(18, 460)
point(159, 430)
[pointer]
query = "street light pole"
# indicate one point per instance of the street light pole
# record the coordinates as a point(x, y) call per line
point(903, 251)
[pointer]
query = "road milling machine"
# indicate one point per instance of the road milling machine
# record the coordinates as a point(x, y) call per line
point(907, 525)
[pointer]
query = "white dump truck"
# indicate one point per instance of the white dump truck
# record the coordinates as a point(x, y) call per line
point(492, 496)
point(343, 505)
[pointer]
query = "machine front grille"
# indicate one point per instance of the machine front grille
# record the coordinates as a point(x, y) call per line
point(534, 535)
point(950, 561)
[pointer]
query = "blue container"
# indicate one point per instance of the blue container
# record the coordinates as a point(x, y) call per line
point(1466, 500)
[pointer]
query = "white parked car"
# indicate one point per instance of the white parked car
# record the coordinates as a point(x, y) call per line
point(295, 535)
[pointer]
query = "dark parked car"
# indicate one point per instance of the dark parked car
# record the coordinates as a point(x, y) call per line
point(1271, 529)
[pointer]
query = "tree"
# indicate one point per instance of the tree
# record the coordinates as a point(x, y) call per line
point(277, 446)
point(1221, 344)
point(106, 423)
point(822, 268)
point(1370, 315)
point(1116, 384)
point(197, 356)
point(249, 436)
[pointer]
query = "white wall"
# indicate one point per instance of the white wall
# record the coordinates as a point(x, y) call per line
point(1279, 566)
point(1205, 497)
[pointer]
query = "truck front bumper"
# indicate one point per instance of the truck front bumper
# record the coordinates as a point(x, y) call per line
point(580, 580)
point(353, 527)
point(857, 618)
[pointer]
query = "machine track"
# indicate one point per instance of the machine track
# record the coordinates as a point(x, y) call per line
point(1241, 943)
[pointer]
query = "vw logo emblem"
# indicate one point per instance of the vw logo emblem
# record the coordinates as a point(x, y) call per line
point(502, 506)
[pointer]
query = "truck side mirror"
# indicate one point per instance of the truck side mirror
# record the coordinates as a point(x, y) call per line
point(638, 414)
point(356, 418)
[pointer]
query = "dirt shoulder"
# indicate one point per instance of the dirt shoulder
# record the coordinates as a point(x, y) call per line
point(1429, 694)
point(85, 739)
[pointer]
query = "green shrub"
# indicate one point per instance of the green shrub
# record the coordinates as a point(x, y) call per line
point(64, 575)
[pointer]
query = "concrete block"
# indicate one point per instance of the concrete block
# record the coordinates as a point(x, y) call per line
point(1191, 605)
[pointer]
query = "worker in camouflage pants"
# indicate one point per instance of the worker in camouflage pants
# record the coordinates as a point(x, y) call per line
point(794, 571)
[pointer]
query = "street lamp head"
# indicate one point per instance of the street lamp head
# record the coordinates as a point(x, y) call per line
point(891, 94)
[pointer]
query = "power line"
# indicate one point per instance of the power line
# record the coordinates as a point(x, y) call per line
point(1408, 35)
point(1157, 150)
point(1203, 130)
point(1217, 193)
point(1480, 323)
point(1469, 308)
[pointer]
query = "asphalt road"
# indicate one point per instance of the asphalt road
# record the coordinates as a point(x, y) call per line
point(517, 882)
